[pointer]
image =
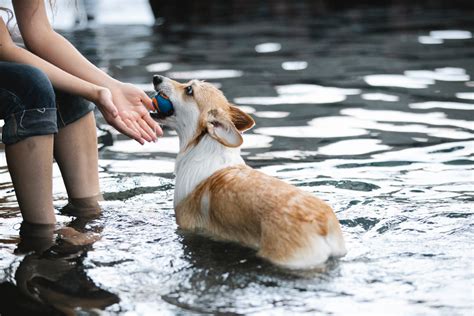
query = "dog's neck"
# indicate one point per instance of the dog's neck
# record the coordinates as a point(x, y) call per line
point(197, 162)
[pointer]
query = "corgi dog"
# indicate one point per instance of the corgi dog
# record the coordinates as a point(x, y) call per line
point(218, 195)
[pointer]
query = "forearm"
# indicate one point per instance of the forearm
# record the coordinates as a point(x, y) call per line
point(43, 41)
point(59, 78)
point(58, 51)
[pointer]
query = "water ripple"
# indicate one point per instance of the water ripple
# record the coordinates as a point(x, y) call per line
point(368, 109)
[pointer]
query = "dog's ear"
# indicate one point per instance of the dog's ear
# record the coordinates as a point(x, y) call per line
point(241, 120)
point(222, 129)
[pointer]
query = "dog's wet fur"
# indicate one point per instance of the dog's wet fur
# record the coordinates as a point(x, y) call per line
point(218, 195)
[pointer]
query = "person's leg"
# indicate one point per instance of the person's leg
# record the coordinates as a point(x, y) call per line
point(75, 151)
point(27, 104)
point(30, 164)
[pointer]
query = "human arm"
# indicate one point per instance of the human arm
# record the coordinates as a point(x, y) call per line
point(59, 78)
point(43, 41)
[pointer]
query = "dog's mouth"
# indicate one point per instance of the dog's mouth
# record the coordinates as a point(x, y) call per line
point(161, 93)
point(163, 106)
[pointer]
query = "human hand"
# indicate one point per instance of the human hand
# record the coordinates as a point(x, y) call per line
point(123, 107)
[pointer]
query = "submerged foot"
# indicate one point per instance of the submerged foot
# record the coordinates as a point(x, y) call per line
point(88, 207)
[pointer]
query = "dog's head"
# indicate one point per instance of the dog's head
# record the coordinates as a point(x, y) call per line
point(199, 109)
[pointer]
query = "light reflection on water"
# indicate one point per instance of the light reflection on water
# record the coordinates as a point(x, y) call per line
point(465, 95)
point(268, 48)
point(356, 122)
point(205, 74)
point(402, 81)
point(438, 37)
point(378, 124)
point(353, 147)
point(271, 114)
point(380, 97)
point(294, 65)
point(433, 118)
point(301, 94)
point(442, 105)
point(327, 127)
point(159, 67)
point(451, 34)
point(418, 79)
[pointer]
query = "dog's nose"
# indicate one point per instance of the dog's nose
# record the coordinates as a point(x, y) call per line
point(157, 80)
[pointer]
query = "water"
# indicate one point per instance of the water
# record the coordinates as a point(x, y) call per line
point(369, 108)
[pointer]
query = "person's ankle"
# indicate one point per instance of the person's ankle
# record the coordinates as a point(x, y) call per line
point(36, 237)
point(83, 207)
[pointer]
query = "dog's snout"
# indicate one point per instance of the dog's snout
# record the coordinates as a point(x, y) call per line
point(157, 80)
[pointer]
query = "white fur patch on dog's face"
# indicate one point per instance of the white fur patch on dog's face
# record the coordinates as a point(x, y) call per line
point(186, 111)
point(200, 108)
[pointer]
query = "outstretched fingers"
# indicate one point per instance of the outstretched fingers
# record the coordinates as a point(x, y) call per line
point(127, 129)
point(153, 125)
point(147, 130)
point(133, 124)
point(146, 100)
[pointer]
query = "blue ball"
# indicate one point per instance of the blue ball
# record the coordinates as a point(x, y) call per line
point(163, 105)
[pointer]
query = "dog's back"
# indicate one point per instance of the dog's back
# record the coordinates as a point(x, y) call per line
point(218, 195)
point(290, 227)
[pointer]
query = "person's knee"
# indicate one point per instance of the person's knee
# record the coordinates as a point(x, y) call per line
point(39, 92)
point(29, 105)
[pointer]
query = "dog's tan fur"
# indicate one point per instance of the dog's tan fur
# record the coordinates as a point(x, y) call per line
point(258, 211)
point(237, 203)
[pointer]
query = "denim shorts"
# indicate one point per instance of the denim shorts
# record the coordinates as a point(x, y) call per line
point(31, 107)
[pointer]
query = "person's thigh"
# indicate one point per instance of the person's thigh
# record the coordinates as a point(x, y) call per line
point(71, 108)
point(27, 103)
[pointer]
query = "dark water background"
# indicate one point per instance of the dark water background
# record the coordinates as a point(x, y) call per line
point(369, 107)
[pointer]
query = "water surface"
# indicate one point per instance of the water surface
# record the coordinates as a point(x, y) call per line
point(368, 108)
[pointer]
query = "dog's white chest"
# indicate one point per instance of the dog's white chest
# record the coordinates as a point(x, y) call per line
point(199, 163)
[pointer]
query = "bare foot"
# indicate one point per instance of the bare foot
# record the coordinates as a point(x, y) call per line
point(76, 238)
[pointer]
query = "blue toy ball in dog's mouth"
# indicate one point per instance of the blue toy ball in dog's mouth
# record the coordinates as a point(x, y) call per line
point(162, 105)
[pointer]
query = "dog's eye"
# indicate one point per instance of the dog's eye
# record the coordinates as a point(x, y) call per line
point(189, 90)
